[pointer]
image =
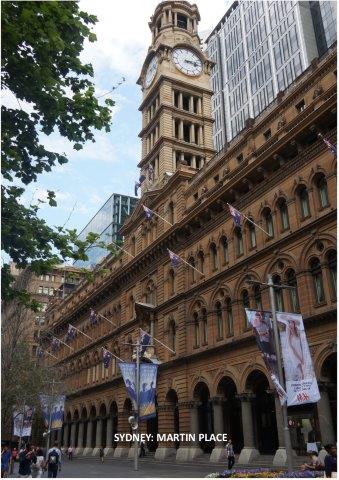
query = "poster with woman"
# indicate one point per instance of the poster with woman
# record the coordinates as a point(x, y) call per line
point(301, 383)
point(22, 421)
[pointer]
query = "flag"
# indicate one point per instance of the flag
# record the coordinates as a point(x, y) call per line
point(145, 340)
point(138, 184)
point(55, 345)
point(150, 171)
point(71, 332)
point(330, 146)
point(147, 392)
point(93, 318)
point(175, 259)
point(39, 352)
point(236, 216)
point(106, 358)
point(301, 382)
point(148, 212)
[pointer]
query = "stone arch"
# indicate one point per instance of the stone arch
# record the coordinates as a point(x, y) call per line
point(291, 262)
point(297, 184)
point(241, 282)
point(199, 379)
point(279, 197)
point(220, 293)
point(203, 413)
point(327, 239)
point(196, 304)
point(320, 356)
point(230, 372)
point(256, 366)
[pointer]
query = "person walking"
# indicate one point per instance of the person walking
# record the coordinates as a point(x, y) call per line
point(70, 453)
point(38, 466)
point(142, 450)
point(5, 461)
point(25, 460)
point(230, 454)
point(331, 461)
point(14, 458)
point(101, 454)
point(53, 461)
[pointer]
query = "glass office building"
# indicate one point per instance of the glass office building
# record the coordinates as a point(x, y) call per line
point(106, 223)
point(259, 48)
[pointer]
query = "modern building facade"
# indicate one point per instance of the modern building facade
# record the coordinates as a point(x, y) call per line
point(259, 48)
point(106, 223)
point(216, 381)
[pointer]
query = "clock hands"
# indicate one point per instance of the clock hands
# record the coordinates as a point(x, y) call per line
point(195, 64)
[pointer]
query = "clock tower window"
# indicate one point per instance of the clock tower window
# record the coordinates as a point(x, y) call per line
point(182, 21)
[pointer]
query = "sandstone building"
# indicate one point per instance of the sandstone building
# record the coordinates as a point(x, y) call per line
point(278, 172)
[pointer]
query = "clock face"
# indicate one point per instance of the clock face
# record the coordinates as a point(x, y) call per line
point(187, 61)
point(151, 71)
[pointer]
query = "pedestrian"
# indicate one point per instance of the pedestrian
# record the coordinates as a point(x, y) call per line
point(14, 458)
point(70, 453)
point(101, 454)
point(331, 461)
point(25, 462)
point(230, 454)
point(53, 461)
point(313, 463)
point(5, 461)
point(142, 450)
point(38, 466)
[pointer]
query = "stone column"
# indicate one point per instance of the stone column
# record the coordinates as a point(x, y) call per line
point(79, 450)
point(180, 100)
point(65, 438)
point(181, 130)
point(98, 437)
point(195, 450)
point(109, 437)
point(165, 427)
point(218, 452)
point(194, 161)
point(88, 450)
point(183, 452)
point(192, 133)
point(249, 452)
point(325, 416)
point(175, 18)
point(122, 448)
point(199, 106)
point(73, 427)
point(192, 104)
point(200, 136)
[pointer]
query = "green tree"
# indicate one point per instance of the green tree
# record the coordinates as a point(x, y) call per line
point(41, 46)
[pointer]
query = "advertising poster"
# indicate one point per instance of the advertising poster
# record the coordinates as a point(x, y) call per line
point(261, 323)
point(22, 427)
point(301, 383)
point(128, 374)
point(148, 384)
point(56, 407)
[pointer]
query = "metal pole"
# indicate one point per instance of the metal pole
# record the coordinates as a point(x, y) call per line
point(49, 422)
point(287, 437)
point(137, 387)
point(22, 422)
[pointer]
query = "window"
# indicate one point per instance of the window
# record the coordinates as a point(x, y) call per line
point(216, 179)
point(47, 278)
point(304, 202)
point(240, 158)
point(269, 222)
point(267, 134)
point(172, 335)
point(196, 330)
point(214, 256)
point(204, 325)
point(53, 278)
point(191, 271)
point(133, 246)
point(257, 297)
point(332, 268)
point(251, 234)
point(182, 21)
point(171, 282)
point(323, 192)
point(201, 261)
point(51, 291)
point(278, 294)
point(300, 107)
point(285, 223)
point(40, 289)
point(220, 326)
point(318, 283)
point(240, 243)
point(171, 212)
point(229, 316)
point(291, 281)
point(45, 290)
point(245, 303)
point(224, 249)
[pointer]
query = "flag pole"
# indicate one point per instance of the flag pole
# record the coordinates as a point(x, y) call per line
point(80, 332)
point(157, 215)
point(107, 320)
point(201, 273)
point(122, 249)
point(64, 343)
point(136, 441)
point(103, 348)
point(253, 223)
point(152, 336)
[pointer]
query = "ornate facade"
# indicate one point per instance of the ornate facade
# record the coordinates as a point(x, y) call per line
point(277, 172)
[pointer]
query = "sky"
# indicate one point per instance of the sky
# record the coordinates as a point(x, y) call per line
point(110, 164)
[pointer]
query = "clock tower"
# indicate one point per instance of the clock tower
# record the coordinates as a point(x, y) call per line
point(176, 105)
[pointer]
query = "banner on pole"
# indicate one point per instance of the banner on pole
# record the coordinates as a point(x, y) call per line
point(22, 421)
point(54, 406)
point(148, 384)
point(128, 372)
point(301, 383)
point(261, 323)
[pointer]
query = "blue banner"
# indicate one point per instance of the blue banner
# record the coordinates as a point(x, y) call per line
point(148, 384)
point(128, 374)
point(53, 408)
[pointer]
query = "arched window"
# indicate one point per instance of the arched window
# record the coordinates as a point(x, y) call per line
point(131, 306)
point(278, 293)
point(191, 271)
point(151, 293)
point(224, 249)
point(204, 325)
point(239, 242)
point(245, 303)
point(332, 268)
point(196, 330)
point(133, 246)
point(171, 279)
point(251, 235)
point(291, 281)
point(317, 280)
point(172, 335)
point(229, 316)
point(171, 213)
point(283, 209)
point(220, 323)
point(201, 261)
point(268, 222)
point(322, 191)
point(257, 297)
point(304, 201)
point(214, 256)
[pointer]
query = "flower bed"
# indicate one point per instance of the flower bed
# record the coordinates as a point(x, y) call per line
point(265, 473)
